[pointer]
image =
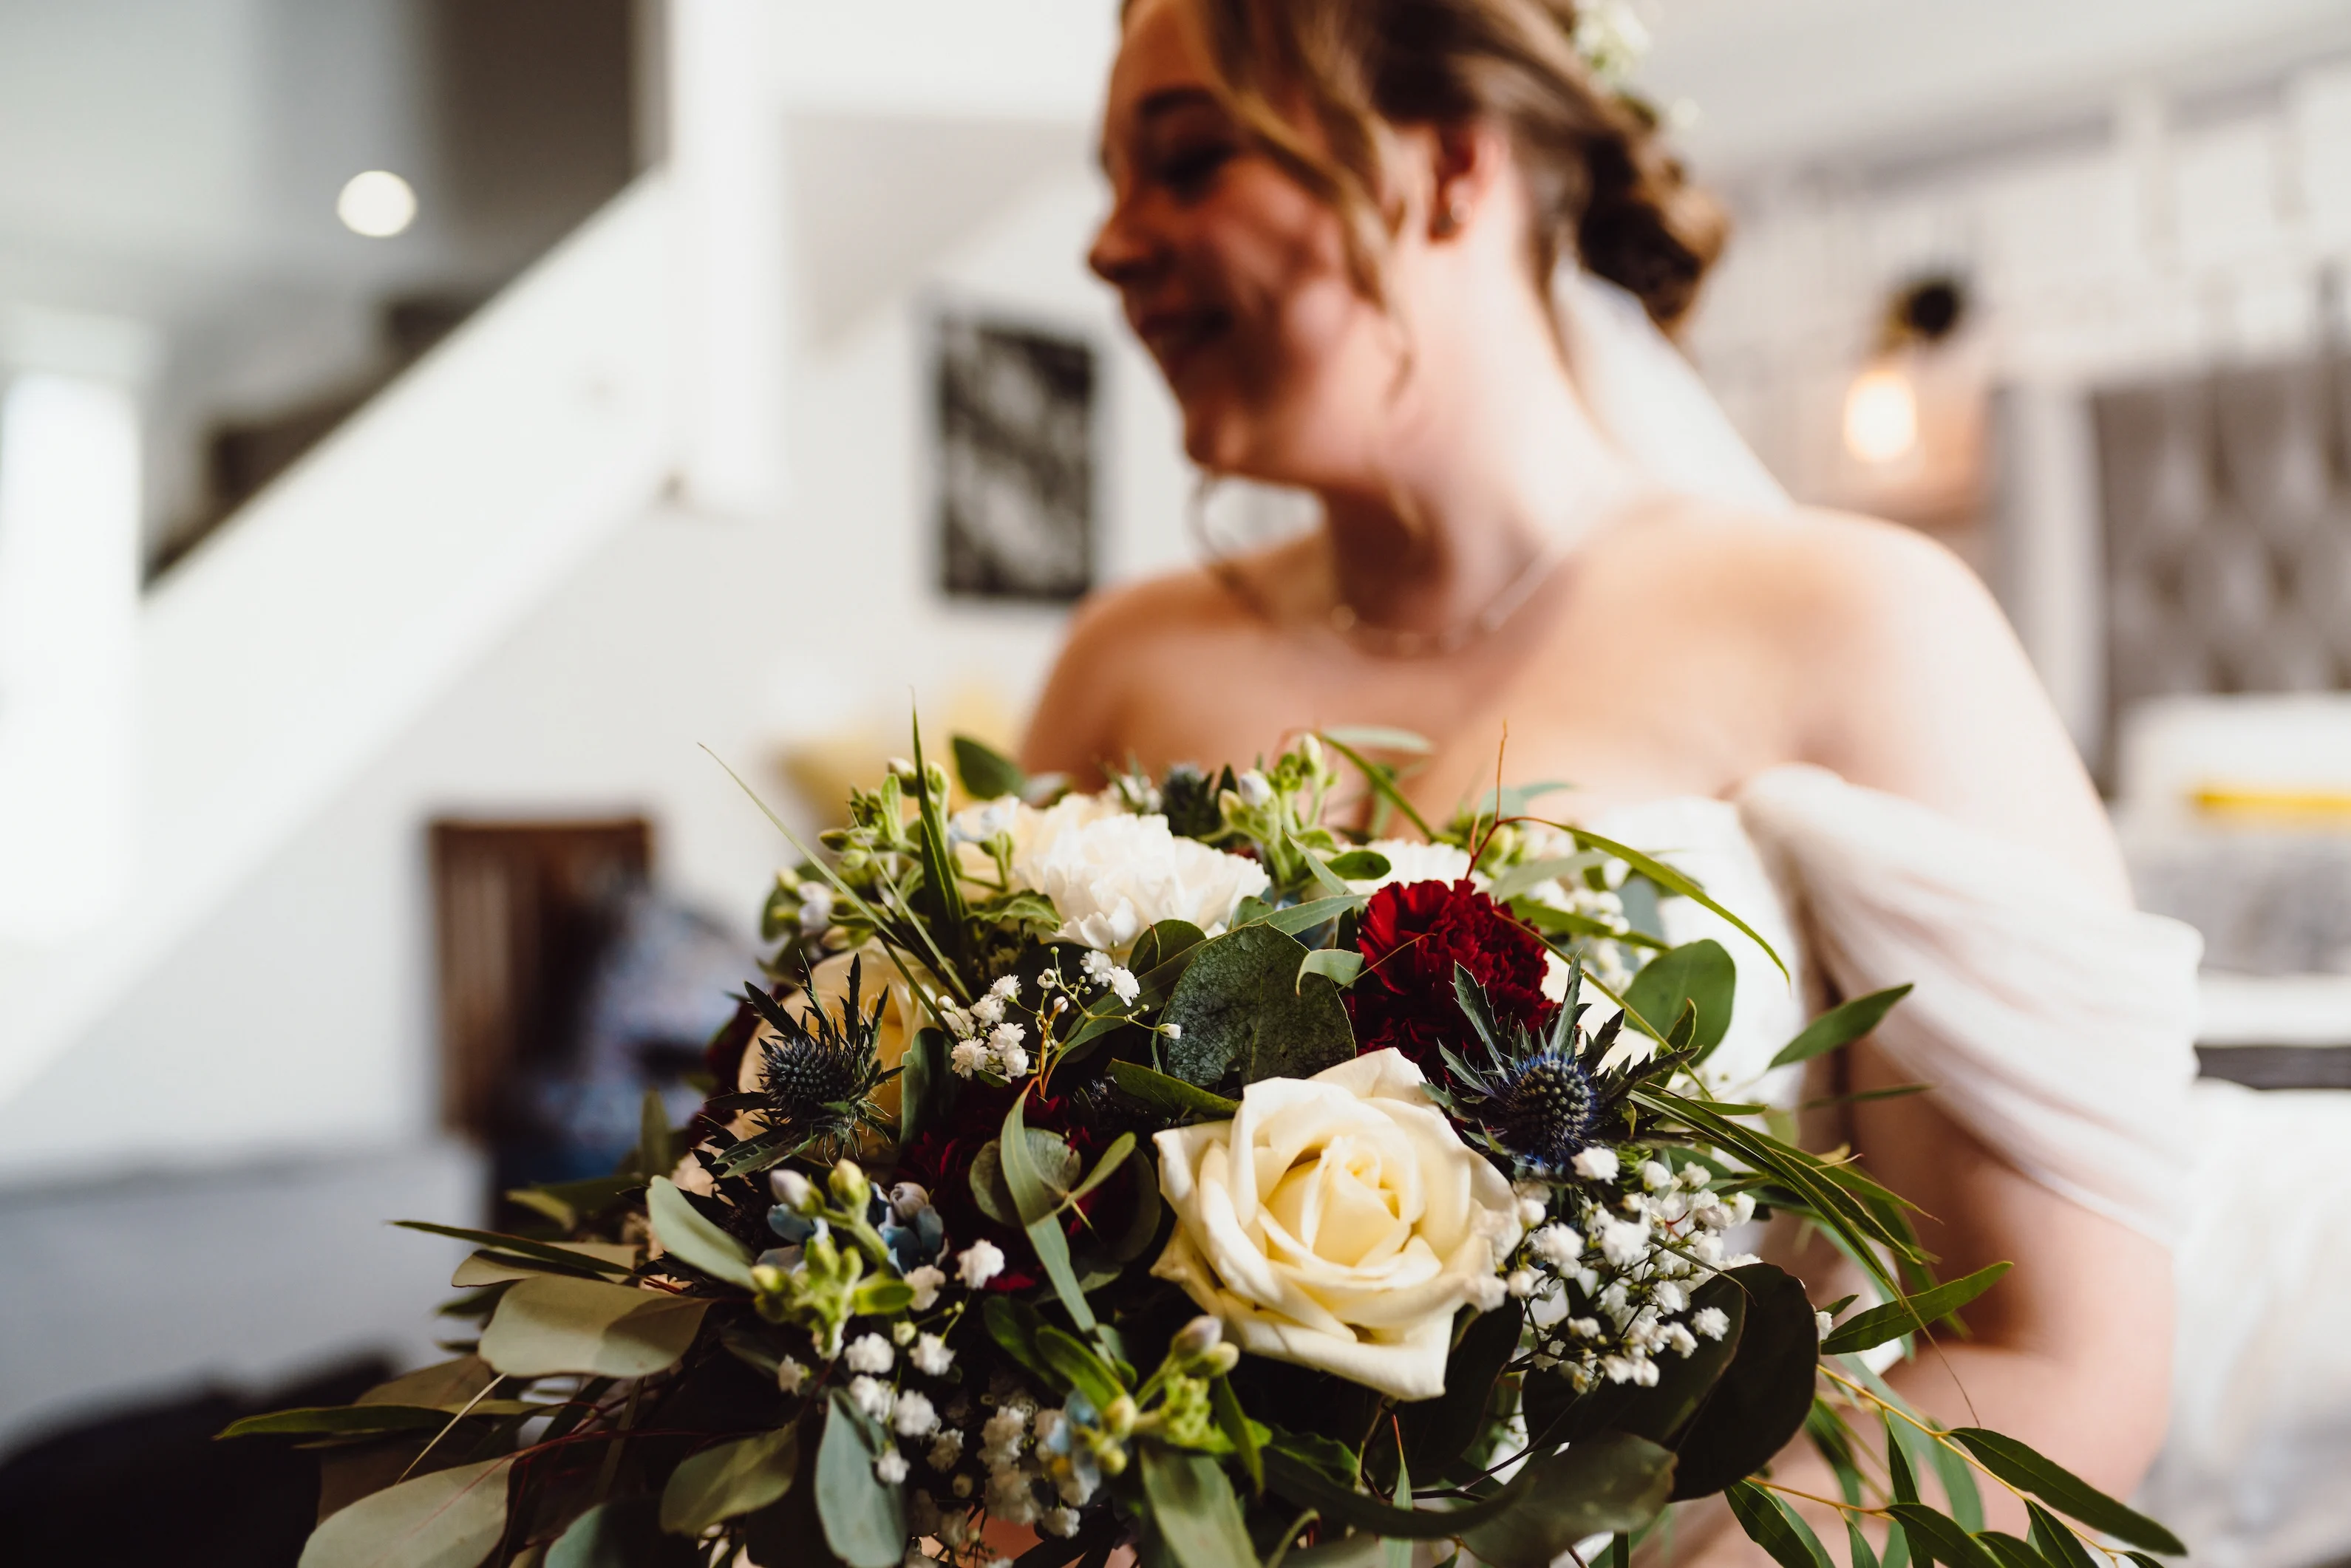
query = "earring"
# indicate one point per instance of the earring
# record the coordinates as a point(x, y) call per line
point(1456, 214)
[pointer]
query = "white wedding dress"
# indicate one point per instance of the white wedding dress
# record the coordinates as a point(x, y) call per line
point(2059, 1030)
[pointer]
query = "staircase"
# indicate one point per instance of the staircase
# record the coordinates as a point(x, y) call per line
point(300, 638)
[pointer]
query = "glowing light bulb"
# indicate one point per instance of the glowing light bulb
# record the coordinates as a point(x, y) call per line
point(1881, 415)
point(378, 203)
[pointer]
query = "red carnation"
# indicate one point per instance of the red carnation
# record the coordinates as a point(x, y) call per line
point(1413, 935)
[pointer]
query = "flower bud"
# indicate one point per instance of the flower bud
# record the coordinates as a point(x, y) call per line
point(793, 1190)
point(1219, 1359)
point(1255, 788)
point(1119, 1419)
point(902, 767)
point(1196, 1338)
point(908, 1199)
point(848, 1183)
point(767, 1279)
point(902, 1332)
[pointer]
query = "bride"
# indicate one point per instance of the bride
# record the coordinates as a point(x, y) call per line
point(1407, 255)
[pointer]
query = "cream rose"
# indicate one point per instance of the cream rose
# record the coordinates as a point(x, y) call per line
point(1339, 1222)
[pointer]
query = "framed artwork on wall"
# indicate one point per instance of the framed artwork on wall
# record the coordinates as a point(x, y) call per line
point(1016, 409)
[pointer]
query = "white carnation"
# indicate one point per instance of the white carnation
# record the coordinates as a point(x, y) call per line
point(1111, 875)
point(1412, 860)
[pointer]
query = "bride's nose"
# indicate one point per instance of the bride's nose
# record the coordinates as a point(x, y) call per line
point(1124, 252)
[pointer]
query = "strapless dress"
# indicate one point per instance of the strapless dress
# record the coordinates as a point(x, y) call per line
point(2059, 1030)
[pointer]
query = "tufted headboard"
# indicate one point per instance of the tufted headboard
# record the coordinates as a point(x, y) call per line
point(2227, 519)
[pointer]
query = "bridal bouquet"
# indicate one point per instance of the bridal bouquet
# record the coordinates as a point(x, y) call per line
point(1165, 1170)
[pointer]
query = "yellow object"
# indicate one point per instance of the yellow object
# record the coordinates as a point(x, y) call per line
point(2252, 800)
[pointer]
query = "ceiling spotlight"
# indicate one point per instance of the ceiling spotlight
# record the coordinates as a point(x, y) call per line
point(1881, 415)
point(378, 203)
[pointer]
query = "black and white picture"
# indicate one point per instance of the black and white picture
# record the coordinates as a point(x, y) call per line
point(1016, 461)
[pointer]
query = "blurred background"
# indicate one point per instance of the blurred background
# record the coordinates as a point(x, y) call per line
point(426, 425)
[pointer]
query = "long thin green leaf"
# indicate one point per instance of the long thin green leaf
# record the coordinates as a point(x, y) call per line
point(1170, 1094)
point(2008, 1551)
point(1909, 1314)
point(1941, 1536)
point(939, 855)
point(1234, 1423)
point(2023, 1469)
point(690, 1236)
point(1380, 779)
point(1104, 1168)
point(568, 1261)
point(1769, 1524)
point(1840, 1026)
point(1857, 1545)
point(1379, 737)
point(2058, 1544)
point(1960, 1491)
point(1039, 1214)
point(1300, 917)
point(1301, 1483)
point(1672, 881)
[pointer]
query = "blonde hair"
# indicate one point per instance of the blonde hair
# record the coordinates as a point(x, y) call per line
point(1601, 184)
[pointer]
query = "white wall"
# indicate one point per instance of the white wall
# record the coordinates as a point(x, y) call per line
point(298, 1018)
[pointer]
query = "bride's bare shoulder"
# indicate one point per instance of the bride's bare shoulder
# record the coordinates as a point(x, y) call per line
point(1136, 636)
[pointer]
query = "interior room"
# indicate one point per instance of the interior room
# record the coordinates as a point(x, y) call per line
point(460, 458)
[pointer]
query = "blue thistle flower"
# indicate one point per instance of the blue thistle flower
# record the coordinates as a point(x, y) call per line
point(1539, 1098)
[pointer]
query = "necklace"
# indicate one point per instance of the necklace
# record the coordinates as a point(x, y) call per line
point(1393, 644)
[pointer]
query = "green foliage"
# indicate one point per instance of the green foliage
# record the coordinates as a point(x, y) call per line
point(692, 1238)
point(1841, 1026)
point(1039, 1213)
point(1170, 1097)
point(728, 1480)
point(1246, 1012)
point(555, 1324)
point(1435, 1431)
point(2028, 1471)
point(1762, 1398)
point(1612, 1482)
point(624, 1532)
point(1775, 1527)
point(986, 773)
point(865, 1522)
point(338, 1421)
point(449, 1518)
point(568, 1259)
point(1194, 1508)
point(1908, 1314)
point(1699, 973)
point(1934, 1535)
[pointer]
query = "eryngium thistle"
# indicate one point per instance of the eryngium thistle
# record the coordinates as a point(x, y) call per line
point(1539, 1098)
point(1543, 1113)
point(819, 1070)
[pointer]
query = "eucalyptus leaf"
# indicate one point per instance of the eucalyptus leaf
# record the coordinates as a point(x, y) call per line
point(449, 1518)
point(691, 1238)
point(1435, 1431)
point(2009, 1550)
point(2058, 1545)
point(1163, 952)
point(1612, 1482)
point(558, 1324)
point(1054, 1161)
point(444, 1385)
point(1248, 1013)
point(729, 1479)
point(1699, 973)
point(1360, 865)
point(1759, 1401)
point(1840, 1026)
point(865, 1522)
point(488, 1268)
point(1193, 1505)
point(624, 1532)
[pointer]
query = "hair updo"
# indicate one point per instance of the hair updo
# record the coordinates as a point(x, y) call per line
point(1602, 185)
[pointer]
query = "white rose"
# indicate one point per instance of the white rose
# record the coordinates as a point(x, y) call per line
point(1339, 1222)
point(1409, 859)
point(1112, 874)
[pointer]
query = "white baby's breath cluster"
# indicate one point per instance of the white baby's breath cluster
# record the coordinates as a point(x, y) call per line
point(1608, 1281)
point(1004, 1037)
point(1592, 889)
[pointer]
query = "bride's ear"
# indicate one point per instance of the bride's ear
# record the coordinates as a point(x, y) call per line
point(1467, 165)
